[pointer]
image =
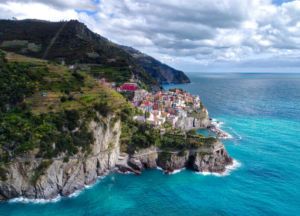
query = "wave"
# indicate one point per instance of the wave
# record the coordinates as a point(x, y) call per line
point(35, 201)
point(176, 171)
point(216, 128)
point(57, 198)
point(170, 173)
point(235, 165)
point(86, 187)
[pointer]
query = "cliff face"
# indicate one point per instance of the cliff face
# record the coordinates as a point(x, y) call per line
point(44, 179)
point(161, 72)
point(211, 158)
point(197, 120)
point(37, 178)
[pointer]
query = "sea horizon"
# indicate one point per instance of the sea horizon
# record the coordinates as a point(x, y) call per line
point(220, 72)
point(149, 108)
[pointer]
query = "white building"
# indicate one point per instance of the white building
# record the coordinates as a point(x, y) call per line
point(139, 95)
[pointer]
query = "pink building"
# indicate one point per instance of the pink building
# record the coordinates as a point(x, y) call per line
point(129, 87)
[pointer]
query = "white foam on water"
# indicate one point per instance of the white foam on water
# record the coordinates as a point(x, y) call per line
point(86, 187)
point(217, 129)
point(76, 193)
point(127, 173)
point(170, 173)
point(58, 198)
point(235, 165)
point(176, 171)
point(216, 122)
point(34, 201)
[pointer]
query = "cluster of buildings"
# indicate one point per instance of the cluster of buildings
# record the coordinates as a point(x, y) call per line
point(159, 107)
point(165, 106)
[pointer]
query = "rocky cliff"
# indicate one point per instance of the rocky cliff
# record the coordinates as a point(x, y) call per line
point(207, 158)
point(161, 72)
point(196, 120)
point(36, 178)
point(61, 129)
point(44, 179)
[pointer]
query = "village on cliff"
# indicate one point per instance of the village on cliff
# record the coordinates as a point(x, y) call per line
point(161, 107)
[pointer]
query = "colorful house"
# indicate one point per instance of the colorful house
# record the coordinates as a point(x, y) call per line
point(129, 87)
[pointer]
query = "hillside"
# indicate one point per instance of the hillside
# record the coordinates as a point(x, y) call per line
point(162, 72)
point(73, 43)
point(60, 128)
point(43, 102)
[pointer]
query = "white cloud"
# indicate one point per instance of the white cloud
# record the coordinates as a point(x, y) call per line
point(35, 10)
point(196, 32)
point(205, 30)
point(59, 4)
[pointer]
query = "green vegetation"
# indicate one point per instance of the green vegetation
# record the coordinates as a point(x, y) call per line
point(50, 133)
point(3, 173)
point(112, 74)
point(128, 95)
point(46, 109)
point(137, 135)
point(116, 64)
point(15, 84)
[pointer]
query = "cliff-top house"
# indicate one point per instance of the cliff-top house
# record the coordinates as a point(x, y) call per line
point(131, 87)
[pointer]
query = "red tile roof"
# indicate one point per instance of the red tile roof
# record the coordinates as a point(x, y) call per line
point(129, 87)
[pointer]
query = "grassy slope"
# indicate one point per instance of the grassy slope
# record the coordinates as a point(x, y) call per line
point(47, 102)
point(75, 43)
point(42, 103)
point(58, 82)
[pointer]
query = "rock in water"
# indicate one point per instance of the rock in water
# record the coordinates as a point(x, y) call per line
point(212, 158)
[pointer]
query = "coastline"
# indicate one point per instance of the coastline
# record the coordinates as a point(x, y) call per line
point(215, 127)
point(194, 152)
point(229, 169)
point(58, 197)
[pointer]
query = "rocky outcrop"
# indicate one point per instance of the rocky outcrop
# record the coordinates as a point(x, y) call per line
point(36, 178)
point(213, 159)
point(161, 72)
point(147, 157)
point(171, 161)
point(44, 179)
point(196, 120)
point(207, 158)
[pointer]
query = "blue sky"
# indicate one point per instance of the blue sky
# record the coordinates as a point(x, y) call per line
point(194, 35)
point(279, 2)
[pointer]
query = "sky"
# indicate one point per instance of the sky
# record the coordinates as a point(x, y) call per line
point(192, 35)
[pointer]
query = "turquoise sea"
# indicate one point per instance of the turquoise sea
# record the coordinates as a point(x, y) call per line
point(260, 111)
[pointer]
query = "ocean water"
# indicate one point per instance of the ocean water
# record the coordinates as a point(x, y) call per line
point(260, 111)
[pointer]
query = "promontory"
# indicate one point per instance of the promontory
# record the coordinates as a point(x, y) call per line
point(75, 106)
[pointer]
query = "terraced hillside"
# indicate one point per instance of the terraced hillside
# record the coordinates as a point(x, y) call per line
point(42, 103)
